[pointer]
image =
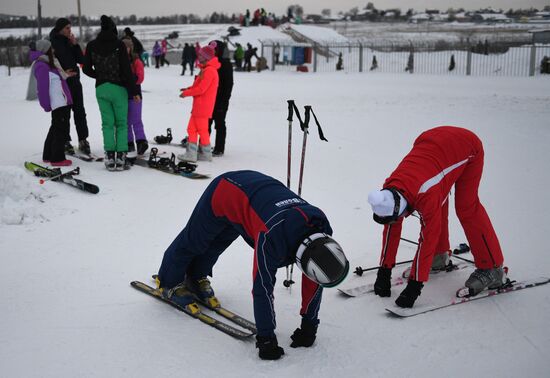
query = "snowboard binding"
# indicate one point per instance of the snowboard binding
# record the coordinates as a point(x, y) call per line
point(164, 139)
point(169, 164)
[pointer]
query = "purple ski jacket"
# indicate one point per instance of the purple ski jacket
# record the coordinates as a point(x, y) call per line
point(41, 71)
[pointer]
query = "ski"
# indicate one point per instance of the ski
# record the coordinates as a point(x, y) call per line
point(399, 280)
point(357, 291)
point(451, 267)
point(228, 314)
point(86, 157)
point(194, 311)
point(507, 288)
point(57, 175)
point(169, 165)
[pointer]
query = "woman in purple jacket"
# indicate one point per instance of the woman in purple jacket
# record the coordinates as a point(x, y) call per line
point(55, 97)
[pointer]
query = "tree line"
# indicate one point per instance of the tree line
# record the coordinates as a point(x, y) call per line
point(31, 22)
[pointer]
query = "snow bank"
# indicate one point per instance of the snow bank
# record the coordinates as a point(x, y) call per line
point(21, 198)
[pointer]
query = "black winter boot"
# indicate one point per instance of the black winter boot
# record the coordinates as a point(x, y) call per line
point(142, 146)
point(408, 296)
point(382, 285)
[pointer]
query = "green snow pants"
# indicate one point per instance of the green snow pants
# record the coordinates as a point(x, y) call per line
point(113, 106)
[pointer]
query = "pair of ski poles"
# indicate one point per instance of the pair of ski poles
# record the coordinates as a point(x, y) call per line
point(462, 248)
point(304, 125)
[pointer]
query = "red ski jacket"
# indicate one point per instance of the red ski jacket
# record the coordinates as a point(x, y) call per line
point(424, 177)
point(204, 89)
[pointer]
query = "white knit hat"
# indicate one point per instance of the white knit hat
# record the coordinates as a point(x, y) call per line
point(43, 45)
point(382, 202)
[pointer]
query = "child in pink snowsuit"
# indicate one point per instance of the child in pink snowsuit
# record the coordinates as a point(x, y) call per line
point(203, 91)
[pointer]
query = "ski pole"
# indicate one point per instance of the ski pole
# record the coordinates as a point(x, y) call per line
point(291, 106)
point(75, 171)
point(305, 127)
point(409, 241)
point(359, 270)
point(462, 248)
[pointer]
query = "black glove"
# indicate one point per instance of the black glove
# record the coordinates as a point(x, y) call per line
point(382, 285)
point(408, 296)
point(305, 335)
point(269, 349)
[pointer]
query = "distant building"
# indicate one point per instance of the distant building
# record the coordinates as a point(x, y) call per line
point(541, 36)
point(420, 17)
point(491, 17)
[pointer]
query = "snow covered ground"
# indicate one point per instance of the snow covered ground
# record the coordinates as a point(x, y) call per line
point(67, 257)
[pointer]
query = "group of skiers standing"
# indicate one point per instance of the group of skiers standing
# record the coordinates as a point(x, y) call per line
point(116, 66)
point(118, 71)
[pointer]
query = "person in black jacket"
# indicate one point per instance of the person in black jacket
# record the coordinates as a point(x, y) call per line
point(248, 54)
point(188, 57)
point(68, 52)
point(138, 47)
point(107, 61)
point(225, 86)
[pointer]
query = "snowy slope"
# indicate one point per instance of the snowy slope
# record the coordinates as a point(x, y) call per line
point(315, 33)
point(67, 306)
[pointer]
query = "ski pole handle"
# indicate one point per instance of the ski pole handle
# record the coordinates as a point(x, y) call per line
point(291, 107)
point(359, 270)
point(290, 110)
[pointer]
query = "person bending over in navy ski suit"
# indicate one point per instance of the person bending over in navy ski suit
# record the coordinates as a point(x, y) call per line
point(280, 226)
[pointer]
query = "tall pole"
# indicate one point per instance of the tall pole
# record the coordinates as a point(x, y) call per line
point(39, 20)
point(79, 20)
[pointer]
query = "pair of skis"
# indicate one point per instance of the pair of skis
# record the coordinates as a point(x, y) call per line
point(48, 174)
point(461, 296)
point(195, 310)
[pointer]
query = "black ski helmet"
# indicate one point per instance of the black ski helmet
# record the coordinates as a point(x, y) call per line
point(322, 259)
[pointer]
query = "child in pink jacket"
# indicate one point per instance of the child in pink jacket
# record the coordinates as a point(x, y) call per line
point(203, 91)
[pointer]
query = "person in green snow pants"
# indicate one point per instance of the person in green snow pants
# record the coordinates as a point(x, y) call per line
point(113, 106)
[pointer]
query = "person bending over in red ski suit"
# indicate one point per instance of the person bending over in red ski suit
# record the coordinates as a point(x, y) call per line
point(440, 158)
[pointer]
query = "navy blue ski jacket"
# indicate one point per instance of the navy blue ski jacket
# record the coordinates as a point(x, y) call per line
point(271, 219)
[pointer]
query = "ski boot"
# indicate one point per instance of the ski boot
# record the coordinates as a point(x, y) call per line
point(205, 153)
point(442, 262)
point(164, 139)
point(382, 285)
point(122, 163)
point(203, 290)
point(84, 147)
point(191, 153)
point(69, 149)
point(217, 153)
point(408, 296)
point(482, 279)
point(110, 163)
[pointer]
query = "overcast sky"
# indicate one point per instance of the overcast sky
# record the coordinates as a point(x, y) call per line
point(204, 7)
